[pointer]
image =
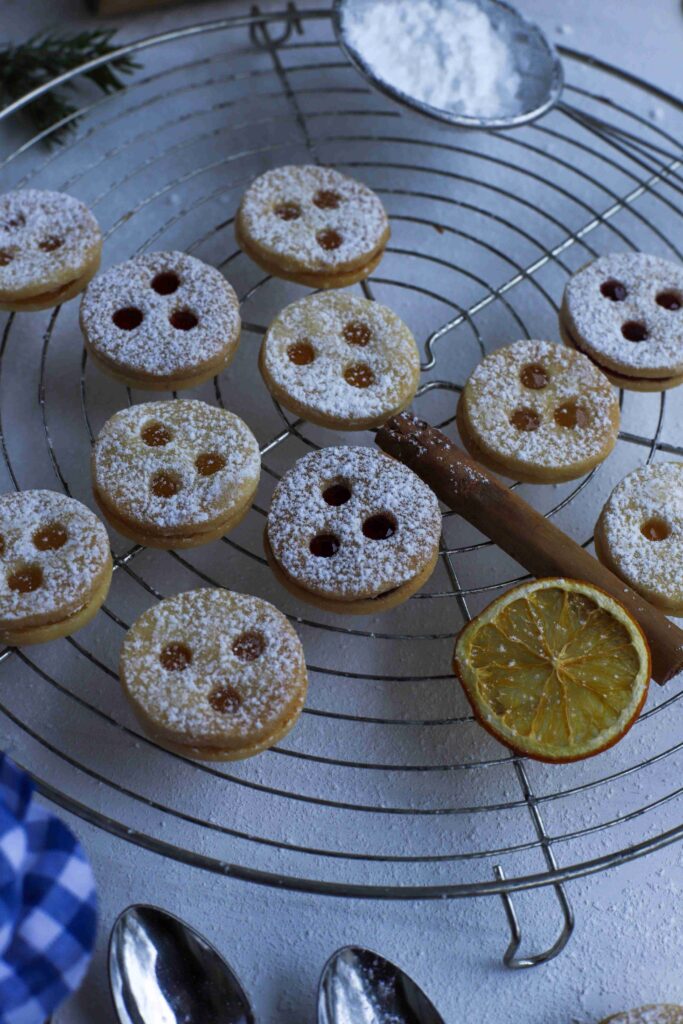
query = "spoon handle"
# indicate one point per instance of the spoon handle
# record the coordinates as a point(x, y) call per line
point(531, 539)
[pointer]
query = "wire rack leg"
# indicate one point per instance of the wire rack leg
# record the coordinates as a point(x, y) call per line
point(510, 958)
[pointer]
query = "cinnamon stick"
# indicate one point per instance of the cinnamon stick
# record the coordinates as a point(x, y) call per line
point(531, 539)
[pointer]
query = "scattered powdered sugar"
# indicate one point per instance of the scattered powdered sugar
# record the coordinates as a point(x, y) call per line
point(649, 492)
point(359, 218)
point(156, 347)
point(447, 55)
point(595, 321)
point(70, 573)
point(124, 465)
point(319, 387)
point(31, 218)
point(362, 567)
point(495, 391)
point(208, 622)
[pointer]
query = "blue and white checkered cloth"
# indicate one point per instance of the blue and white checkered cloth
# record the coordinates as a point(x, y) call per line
point(48, 910)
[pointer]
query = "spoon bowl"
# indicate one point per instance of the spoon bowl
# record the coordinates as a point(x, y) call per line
point(358, 986)
point(162, 971)
point(536, 62)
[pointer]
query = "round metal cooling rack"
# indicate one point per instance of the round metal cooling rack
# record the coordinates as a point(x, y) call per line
point(387, 788)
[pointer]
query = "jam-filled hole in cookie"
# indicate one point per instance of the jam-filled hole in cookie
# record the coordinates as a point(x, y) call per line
point(570, 415)
point(225, 699)
point(359, 375)
point(327, 199)
point(156, 435)
point(655, 529)
point(175, 657)
point(165, 484)
point(183, 319)
point(336, 493)
point(51, 537)
point(19, 221)
point(324, 545)
point(380, 526)
point(357, 332)
point(613, 290)
point(249, 645)
point(670, 299)
point(301, 353)
point(165, 282)
point(633, 330)
point(2, 545)
point(128, 318)
point(25, 579)
point(534, 376)
point(287, 211)
point(208, 463)
point(50, 243)
point(329, 239)
point(6, 257)
point(525, 419)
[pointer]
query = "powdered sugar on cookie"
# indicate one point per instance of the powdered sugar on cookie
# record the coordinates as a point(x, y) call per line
point(362, 565)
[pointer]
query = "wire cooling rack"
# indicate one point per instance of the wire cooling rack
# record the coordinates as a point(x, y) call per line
point(387, 788)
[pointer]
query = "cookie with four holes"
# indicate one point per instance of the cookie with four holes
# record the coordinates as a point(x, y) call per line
point(353, 531)
point(50, 246)
point(175, 474)
point(538, 412)
point(55, 566)
point(625, 311)
point(639, 534)
point(163, 321)
point(214, 675)
point(312, 225)
point(340, 361)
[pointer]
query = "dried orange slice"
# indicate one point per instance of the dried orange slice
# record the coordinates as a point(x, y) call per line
point(555, 668)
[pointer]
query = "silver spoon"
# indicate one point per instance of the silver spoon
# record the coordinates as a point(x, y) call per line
point(536, 62)
point(162, 971)
point(358, 986)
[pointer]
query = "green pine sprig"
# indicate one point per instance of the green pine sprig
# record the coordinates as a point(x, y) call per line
point(43, 57)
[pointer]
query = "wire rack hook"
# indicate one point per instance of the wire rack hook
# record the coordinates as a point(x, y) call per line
point(258, 30)
point(510, 959)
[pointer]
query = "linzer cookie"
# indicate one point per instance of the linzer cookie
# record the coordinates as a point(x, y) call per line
point(312, 225)
point(538, 412)
point(214, 675)
point(175, 474)
point(340, 361)
point(639, 534)
point(50, 245)
point(660, 1013)
point(625, 311)
point(55, 566)
point(163, 321)
point(351, 530)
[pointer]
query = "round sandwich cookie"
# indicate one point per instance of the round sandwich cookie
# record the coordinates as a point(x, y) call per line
point(659, 1013)
point(312, 225)
point(340, 361)
point(55, 566)
point(50, 247)
point(175, 474)
point(625, 311)
point(214, 675)
point(353, 531)
point(163, 321)
point(639, 534)
point(538, 412)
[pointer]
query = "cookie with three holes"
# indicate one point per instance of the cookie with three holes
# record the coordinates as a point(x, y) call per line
point(312, 225)
point(625, 312)
point(214, 675)
point(340, 361)
point(639, 534)
point(55, 566)
point(353, 531)
point(163, 321)
point(538, 412)
point(50, 247)
point(175, 474)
